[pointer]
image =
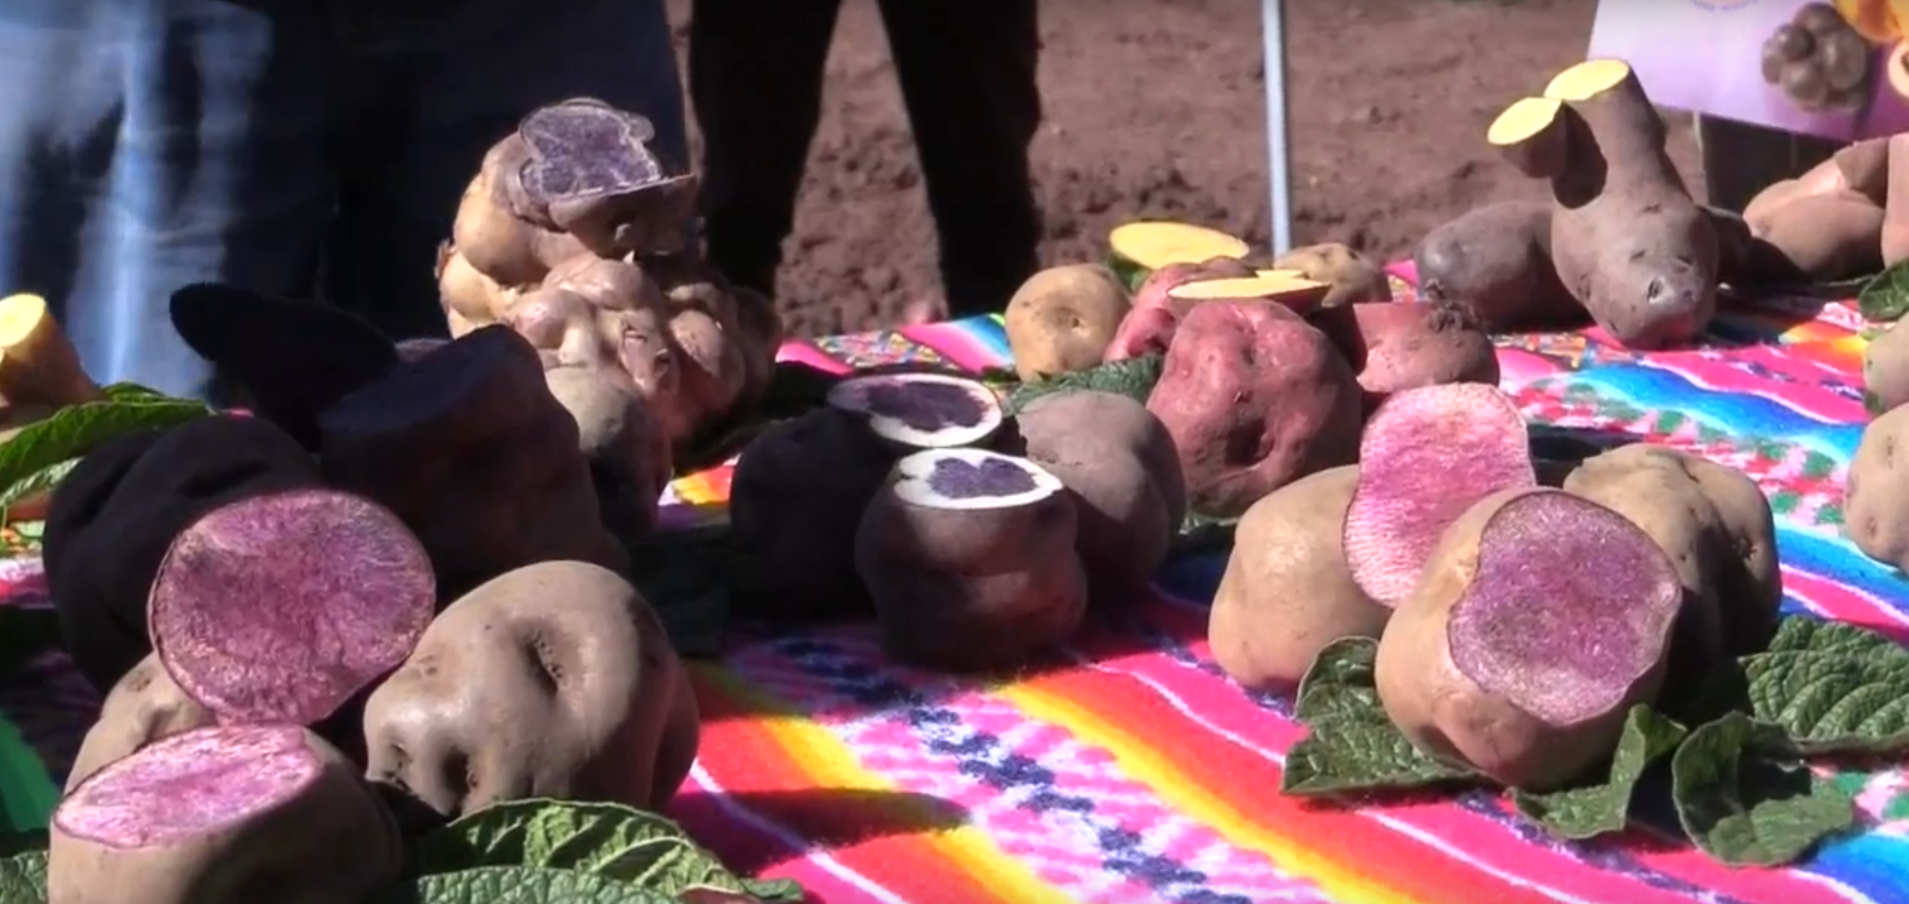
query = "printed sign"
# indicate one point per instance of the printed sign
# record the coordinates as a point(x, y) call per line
point(1835, 70)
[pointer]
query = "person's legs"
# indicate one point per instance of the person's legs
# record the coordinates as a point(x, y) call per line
point(150, 144)
point(968, 75)
point(755, 80)
point(436, 91)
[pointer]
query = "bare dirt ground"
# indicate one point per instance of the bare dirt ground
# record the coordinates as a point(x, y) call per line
point(1156, 108)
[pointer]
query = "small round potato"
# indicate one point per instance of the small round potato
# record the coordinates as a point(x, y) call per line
point(1063, 318)
point(1354, 278)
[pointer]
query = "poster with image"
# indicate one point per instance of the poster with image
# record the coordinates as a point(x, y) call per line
point(1835, 70)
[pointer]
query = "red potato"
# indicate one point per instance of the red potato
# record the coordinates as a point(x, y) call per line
point(968, 556)
point(224, 815)
point(1254, 398)
point(1539, 620)
point(1427, 456)
point(468, 446)
point(1394, 346)
point(1147, 328)
point(279, 608)
point(553, 680)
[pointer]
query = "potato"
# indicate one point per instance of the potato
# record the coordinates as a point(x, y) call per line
point(291, 359)
point(1254, 398)
point(1354, 278)
point(37, 362)
point(629, 455)
point(552, 680)
point(1541, 618)
point(1394, 346)
point(1426, 457)
point(145, 706)
point(225, 815)
point(1148, 327)
point(1895, 227)
point(470, 448)
point(1287, 592)
point(968, 556)
point(1718, 531)
point(1145, 247)
point(1286, 288)
point(759, 330)
point(1122, 472)
point(541, 194)
point(1626, 238)
point(1873, 497)
point(798, 490)
point(1063, 318)
point(1496, 262)
point(1886, 369)
point(921, 410)
point(470, 297)
point(279, 608)
point(112, 519)
point(713, 370)
point(1818, 238)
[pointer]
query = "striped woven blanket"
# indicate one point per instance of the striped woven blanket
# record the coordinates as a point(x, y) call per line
point(1140, 773)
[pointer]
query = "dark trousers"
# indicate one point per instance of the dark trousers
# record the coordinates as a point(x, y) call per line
point(967, 71)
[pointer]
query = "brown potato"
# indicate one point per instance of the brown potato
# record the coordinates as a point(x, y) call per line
point(1287, 592)
point(553, 680)
point(1886, 369)
point(1354, 278)
point(1878, 485)
point(1063, 318)
point(145, 706)
point(1526, 673)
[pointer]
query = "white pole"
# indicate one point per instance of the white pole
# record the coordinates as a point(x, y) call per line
point(1278, 142)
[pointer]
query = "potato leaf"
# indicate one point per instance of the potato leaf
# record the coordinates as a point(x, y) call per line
point(1133, 377)
point(41, 481)
point(1872, 404)
point(1745, 797)
point(488, 884)
point(76, 429)
point(23, 876)
point(610, 840)
point(1597, 809)
point(1832, 688)
point(1352, 746)
point(1885, 296)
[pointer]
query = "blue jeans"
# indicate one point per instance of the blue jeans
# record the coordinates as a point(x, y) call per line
point(297, 147)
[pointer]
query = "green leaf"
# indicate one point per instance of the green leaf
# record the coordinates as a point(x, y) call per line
point(1127, 272)
point(1352, 746)
point(1745, 797)
point(1592, 810)
point(1133, 377)
point(610, 840)
point(76, 429)
point(1832, 688)
point(1872, 404)
point(23, 877)
point(519, 885)
point(41, 481)
point(1886, 295)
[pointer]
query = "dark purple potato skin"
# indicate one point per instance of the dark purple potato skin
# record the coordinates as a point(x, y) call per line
point(796, 498)
point(971, 590)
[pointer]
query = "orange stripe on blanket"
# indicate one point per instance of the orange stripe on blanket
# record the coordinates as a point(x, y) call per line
point(1334, 849)
point(797, 774)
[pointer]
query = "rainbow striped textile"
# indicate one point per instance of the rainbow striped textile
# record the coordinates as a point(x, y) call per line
point(1139, 773)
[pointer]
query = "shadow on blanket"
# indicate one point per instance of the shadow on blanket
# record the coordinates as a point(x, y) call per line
point(829, 819)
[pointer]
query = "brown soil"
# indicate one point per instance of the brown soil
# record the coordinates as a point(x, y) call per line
point(1156, 108)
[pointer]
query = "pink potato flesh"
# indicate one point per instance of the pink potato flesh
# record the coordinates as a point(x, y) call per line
point(279, 608)
point(1426, 456)
point(1569, 607)
point(190, 785)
